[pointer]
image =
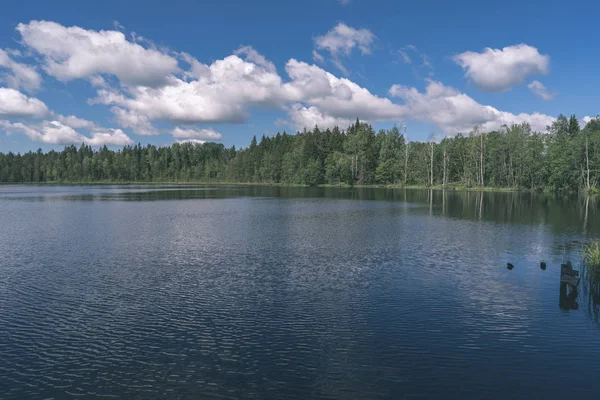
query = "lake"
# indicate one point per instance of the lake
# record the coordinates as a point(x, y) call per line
point(227, 292)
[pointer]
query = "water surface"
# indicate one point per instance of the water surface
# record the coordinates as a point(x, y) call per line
point(187, 292)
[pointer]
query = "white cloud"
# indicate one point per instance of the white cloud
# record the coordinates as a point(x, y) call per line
point(496, 70)
point(318, 57)
point(74, 52)
point(586, 120)
point(195, 133)
point(19, 75)
point(54, 132)
point(77, 123)
point(197, 69)
point(193, 141)
point(253, 56)
point(98, 82)
point(342, 39)
point(223, 91)
point(14, 104)
point(454, 112)
point(227, 89)
point(108, 137)
point(18, 127)
point(137, 122)
point(307, 117)
point(221, 94)
point(338, 97)
point(541, 91)
point(307, 81)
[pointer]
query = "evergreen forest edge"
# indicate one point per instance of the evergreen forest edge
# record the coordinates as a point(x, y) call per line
point(566, 158)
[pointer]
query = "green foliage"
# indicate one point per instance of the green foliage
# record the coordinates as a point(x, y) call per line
point(338, 168)
point(567, 158)
point(592, 255)
point(312, 173)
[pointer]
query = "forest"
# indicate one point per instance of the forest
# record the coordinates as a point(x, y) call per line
point(566, 158)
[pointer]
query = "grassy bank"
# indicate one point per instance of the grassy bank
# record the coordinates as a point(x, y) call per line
point(591, 255)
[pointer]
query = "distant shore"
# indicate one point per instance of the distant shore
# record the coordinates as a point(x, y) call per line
point(451, 187)
point(283, 185)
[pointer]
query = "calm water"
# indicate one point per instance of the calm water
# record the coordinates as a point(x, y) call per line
point(268, 293)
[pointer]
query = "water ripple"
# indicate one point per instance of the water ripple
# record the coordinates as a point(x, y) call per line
point(231, 296)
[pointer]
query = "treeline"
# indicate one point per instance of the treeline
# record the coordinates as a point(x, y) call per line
point(566, 158)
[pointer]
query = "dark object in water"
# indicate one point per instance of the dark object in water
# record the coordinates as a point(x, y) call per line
point(509, 266)
point(543, 265)
point(567, 269)
point(568, 282)
point(568, 297)
point(568, 275)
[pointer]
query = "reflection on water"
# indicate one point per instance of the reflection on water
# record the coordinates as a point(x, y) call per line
point(568, 297)
point(560, 211)
point(590, 282)
point(293, 293)
point(569, 283)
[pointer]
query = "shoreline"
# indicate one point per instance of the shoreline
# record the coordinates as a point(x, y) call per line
point(449, 188)
point(459, 188)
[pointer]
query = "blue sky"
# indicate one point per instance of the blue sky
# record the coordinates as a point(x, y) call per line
point(119, 72)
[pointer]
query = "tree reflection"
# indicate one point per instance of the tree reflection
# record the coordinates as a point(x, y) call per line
point(568, 297)
point(569, 283)
point(590, 282)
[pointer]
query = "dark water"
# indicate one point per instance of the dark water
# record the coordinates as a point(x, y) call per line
point(273, 293)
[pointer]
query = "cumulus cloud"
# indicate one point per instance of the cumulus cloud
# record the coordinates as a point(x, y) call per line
point(541, 91)
point(197, 70)
point(14, 104)
point(229, 88)
point(114, 137)
point(152, 88)
point(339, 97)
point(77, 123)
point(98, 81)
point(55, 132)
point(308, 117)
point(586, 120)
point(255, 57)
point(224, 91)
point(193, 141)
point(18, 75)
point(497, 70)
point(73, 52)
point(221, 93)
point(453, 112)
point(195, 133)
point(341, 40)
point(139, 123)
